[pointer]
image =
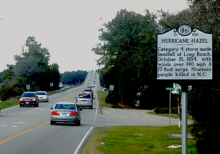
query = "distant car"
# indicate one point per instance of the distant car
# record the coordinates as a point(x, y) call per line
point(42, 96)
point(93, 85)
point(28, 99)
point(88, 91)
point(94, 80)
point(84, 100)
point(104, 89)
point(65, 112)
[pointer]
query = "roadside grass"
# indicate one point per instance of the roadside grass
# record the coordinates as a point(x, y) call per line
point(101, 97)
point(175, 116)
point(103, 104)
point(7, 104)
point(135, 139)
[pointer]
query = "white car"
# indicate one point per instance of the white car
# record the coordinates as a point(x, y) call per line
point(42, 96)
point(84, 100)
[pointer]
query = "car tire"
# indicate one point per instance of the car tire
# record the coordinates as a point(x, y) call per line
point(35, 104)
point(20, 105)
point(52, 122)
point(78, 123)
point(91, 107)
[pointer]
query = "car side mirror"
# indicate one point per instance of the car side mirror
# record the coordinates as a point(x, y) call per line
point(51, 108)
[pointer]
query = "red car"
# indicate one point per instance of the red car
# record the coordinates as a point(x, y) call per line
point(28, 99)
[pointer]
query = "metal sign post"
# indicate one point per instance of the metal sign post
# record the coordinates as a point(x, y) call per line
point(170, 104)
point(184, 118)
point(184, 54)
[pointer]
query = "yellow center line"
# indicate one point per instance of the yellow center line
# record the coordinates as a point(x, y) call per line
point(15, 133)
point(23, 132)
point(71, 96)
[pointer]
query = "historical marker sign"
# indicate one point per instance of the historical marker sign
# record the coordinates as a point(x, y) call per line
point(184, 54)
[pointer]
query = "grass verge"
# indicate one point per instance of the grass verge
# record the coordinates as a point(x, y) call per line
point(101, 97)
point(7, 104)
point(135, 139)
point(175, 116)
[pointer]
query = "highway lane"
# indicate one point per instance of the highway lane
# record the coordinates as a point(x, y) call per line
point(27, 130)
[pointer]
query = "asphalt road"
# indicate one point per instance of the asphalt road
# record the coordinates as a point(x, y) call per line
point(27, 130)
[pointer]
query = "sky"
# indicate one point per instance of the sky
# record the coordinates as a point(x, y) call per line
point(67, 28)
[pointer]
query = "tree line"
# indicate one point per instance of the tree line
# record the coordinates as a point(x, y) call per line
point(128, 53)
point(74, 77)
point(32, 67)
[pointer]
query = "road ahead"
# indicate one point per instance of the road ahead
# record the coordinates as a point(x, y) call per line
point(26, 130)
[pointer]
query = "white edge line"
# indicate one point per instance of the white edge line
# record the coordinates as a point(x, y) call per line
point(80, 144)
point(9, 108)
point(31, 110)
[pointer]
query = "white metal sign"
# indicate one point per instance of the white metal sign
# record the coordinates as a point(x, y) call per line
point(111, 87)
point(28, 87)
point(184, 54)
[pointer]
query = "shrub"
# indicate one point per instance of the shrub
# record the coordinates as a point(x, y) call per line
point(112, 98)
point(157, 110)
point(164, 110)
point(174, 110)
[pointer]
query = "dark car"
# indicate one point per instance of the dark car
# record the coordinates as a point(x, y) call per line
point(29, 99)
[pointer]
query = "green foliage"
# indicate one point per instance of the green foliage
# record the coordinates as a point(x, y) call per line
point(203, 99)
point(128, 53)
point(165, 110)
point(101, 79)
point(1, 75)
point(174, 110)
point(157, 110)
point(31, 67)
point(112, 98)
point(73, 77)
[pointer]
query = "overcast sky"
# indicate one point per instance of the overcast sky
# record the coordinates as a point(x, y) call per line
point(67, 28)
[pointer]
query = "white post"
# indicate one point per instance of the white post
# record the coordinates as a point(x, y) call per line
point(178, 108)
point(170, 108)
point(184, 123)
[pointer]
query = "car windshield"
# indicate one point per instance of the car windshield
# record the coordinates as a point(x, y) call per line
point(65, 106)
point(41, 93)
point(84, 95)
point(28, 95)
point(87, 90)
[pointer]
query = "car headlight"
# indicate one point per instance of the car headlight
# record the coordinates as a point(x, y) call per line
point(33, 99)
point(21, 99)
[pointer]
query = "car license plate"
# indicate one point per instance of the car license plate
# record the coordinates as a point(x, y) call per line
point(84, 101)
point(27, 102)
point(64, 114)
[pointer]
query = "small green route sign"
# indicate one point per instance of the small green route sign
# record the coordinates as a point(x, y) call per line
point(167, 88)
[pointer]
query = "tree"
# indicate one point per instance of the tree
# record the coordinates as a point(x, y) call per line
point(31, 67)
point(203, 99)
point(73, 77)
point(129, 48)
